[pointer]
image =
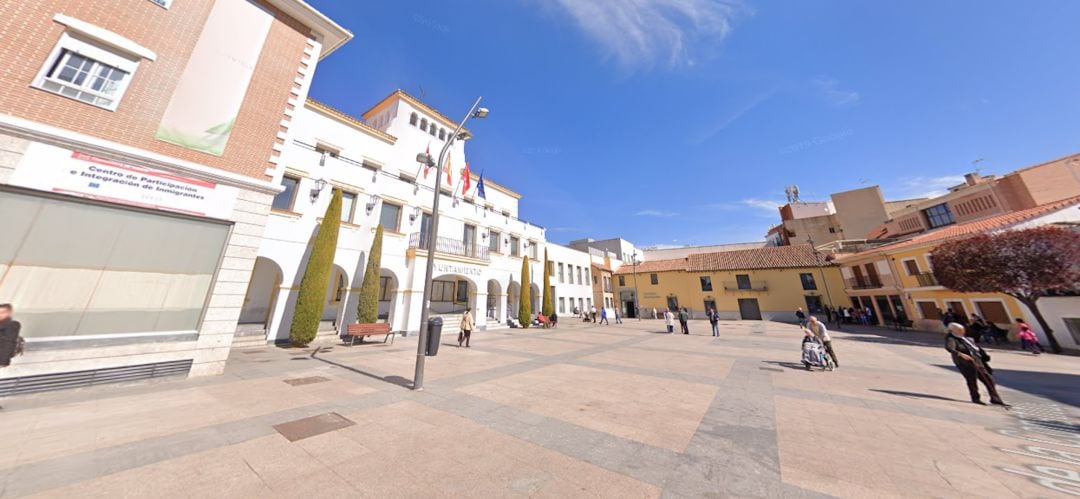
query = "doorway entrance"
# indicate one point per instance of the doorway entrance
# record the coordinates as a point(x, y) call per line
point(709, 305)
point(813, 305)
point(749, 310)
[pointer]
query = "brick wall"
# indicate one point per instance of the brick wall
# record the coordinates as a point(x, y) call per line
point(171, 34)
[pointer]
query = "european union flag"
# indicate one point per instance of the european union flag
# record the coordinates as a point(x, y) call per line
point(480, 186)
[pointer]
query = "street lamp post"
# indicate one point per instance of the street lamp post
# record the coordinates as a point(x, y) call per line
point(637, 306)
point(425, 309)
point(821, 270)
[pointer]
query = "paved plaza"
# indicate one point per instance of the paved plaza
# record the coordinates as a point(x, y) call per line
point(580, 411)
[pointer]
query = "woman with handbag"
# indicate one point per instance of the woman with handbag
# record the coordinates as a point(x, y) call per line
point(466, 328)
point(973, 363)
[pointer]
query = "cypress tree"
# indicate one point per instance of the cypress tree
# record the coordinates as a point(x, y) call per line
point(525, 300)
point(548, 308)
point(367, 311)
point(312, 296)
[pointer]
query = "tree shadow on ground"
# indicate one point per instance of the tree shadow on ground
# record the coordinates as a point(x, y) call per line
point(393, 380)
point(1059, 387)
point(915, 395)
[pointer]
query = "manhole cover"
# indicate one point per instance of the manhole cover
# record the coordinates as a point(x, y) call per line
point(314, 425)
point(306, 381)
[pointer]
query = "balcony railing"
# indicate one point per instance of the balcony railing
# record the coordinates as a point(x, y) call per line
point(746, 286)
point(926, 279)
point(450, 246)
point(869, 282)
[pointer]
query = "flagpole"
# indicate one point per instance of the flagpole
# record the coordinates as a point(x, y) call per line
point(425, 302)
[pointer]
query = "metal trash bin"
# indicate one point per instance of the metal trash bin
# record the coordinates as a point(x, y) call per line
point(434, 336)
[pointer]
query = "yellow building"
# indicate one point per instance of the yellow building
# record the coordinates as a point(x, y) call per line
point(762, 283)
point(897, 278)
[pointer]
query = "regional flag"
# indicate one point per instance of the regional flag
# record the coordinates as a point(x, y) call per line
point(466, 182)
point(447, 170)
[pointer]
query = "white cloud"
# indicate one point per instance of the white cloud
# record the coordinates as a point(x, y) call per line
point(642, 33)
point(926, 187)
point(830, 89)
point(766, 205)
point(656, 213)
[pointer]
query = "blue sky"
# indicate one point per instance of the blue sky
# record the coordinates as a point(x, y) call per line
point(681, 121)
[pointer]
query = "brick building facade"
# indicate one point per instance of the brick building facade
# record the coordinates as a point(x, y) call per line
point(139, 140)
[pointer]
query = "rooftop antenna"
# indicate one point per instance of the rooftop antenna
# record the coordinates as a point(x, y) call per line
point(976, 165)
point(792, 193)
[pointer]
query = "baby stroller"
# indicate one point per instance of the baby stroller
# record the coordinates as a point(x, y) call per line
point(814, 354)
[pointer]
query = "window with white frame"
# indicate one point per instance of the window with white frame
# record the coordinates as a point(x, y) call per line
point(348, 206)
point(86, 72)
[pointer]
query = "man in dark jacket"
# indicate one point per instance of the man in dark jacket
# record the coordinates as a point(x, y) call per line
point(684, 317)
point(971, 360)
point(9, 335)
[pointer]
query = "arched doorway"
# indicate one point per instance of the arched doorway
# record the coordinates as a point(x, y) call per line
point(452, 294)
point(337, 293)
point(494, 292)
point(388, 287)
point(261, 297)
point(513, 299)
point(535, 298)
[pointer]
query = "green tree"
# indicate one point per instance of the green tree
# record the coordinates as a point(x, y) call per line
point(312, 296)
point(525, 300)
point(548, 308)
point(367, 311)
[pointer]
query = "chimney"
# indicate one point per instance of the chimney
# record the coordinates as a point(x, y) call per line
point(971, 178)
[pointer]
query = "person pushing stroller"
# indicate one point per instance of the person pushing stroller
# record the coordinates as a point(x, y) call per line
point(813, 352)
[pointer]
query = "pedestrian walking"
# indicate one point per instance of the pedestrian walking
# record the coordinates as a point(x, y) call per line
point(554, 319)
point(654, 316)
point(800, 316)
point(973, 363)
point(828, 314)
point(822, 334)
point(847, 315)
point(618, 317)
point(1028, 338)
point(603, 317)
point(466, 328)
point(714, 321)
point(592, 314)
point(684, 317)
point(10, 340)
point(669, 320)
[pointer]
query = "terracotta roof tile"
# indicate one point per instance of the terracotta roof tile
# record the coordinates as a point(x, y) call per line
point(654, 266)
point(771, 257)
point(1002, 221)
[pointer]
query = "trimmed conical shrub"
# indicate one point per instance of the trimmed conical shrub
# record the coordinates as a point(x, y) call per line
point(312, 296)
point(548, 308)
point(367, 312)
point(525, 300)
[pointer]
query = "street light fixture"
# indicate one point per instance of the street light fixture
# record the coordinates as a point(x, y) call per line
point(425, 303)
point(821, 271)
point(637, 307)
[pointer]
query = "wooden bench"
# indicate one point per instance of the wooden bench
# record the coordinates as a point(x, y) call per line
point(354, 331)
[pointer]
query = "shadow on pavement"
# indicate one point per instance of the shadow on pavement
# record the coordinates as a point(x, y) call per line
point(915, 395)
point(790, 365)
point(1059, 387)
point(393, 380)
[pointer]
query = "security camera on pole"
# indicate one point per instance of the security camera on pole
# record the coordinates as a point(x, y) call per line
point(425, 309)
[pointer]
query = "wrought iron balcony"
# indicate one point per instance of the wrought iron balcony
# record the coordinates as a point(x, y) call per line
point(450, 246)
point(746, 286)
point(926, 279)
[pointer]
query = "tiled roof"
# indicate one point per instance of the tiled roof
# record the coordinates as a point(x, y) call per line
point(769, 257)
point(654, 266)
point(955, 231)
point(772, 257)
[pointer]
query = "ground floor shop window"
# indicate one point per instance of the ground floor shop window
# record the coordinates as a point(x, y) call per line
point(79, 268)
